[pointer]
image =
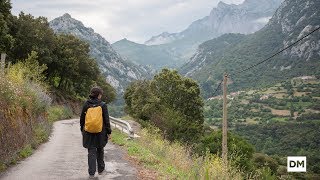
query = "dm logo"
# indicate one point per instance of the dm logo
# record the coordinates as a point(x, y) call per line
point(297, 164)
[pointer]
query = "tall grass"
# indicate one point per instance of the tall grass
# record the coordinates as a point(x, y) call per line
point(175, 161)
point(59, 112)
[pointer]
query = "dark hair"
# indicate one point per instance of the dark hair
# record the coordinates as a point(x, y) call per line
point(95, 91)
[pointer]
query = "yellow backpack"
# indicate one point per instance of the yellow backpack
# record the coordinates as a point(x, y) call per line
point(94, 119)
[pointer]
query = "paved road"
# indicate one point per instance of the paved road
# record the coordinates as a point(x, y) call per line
point(63, 157)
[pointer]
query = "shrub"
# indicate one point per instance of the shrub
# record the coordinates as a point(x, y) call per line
point(59, 112)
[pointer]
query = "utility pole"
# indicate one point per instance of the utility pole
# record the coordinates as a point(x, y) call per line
point(225, 123)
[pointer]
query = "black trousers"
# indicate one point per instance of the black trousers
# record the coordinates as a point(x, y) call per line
point(95, 156)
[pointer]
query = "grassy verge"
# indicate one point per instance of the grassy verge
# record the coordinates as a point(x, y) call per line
point(59, 112)
point(172, 160)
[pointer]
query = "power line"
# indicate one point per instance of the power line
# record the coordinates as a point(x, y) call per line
point(267, 59)
point(218, 87)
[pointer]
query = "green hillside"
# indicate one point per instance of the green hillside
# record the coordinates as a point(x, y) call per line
point(296, 100)
point(291, 21)
point(279, 120)
point(154, 56)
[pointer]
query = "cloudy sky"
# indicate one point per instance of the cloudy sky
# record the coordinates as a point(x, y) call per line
point(136, 20)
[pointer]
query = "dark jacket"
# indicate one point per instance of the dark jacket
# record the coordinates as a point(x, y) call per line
point(97, 140)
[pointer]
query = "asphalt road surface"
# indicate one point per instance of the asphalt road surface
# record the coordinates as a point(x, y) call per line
point(63, 157)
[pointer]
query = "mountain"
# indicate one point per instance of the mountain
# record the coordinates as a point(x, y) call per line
point(178, 48)
point(153, 56)
point(233, 52)
point(117, 71)
point(162, 38)
point(245, 18)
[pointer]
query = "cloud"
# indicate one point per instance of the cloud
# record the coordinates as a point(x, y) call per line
point(263, 20)
point(136, 20)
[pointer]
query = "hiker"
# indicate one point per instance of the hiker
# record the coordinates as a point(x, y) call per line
point(96, 130)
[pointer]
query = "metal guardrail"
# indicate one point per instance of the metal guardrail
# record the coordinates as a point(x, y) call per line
point(124, 126)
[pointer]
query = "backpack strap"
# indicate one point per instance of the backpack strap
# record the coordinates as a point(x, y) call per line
point(95, 105)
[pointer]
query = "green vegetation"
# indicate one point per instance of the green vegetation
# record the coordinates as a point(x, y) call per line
point(280, 140)
point(278, 120)
point(169, 101)
point(155, 56)
point(239, 150)
point(23, 106)
point(116, 110)
point(58, 112)
point(172, 160)
point(290, 101)
point(26, 151)
point(67, 64)
point(173, 104)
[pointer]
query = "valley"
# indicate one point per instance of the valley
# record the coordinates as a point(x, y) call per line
point(279, 120)
point(296, 100)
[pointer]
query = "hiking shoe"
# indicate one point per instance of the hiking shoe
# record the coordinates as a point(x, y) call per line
point(104, 172)
point(91, 176)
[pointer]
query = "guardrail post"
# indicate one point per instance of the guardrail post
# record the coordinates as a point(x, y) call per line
point(123, 125)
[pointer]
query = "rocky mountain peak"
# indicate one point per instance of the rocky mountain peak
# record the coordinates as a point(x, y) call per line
point(245, 18)
point(65, 22)
point(222, 5)
point(66, 15)
point(295, 19)
point(117, 71)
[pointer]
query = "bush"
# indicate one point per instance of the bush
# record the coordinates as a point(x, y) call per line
point(59, 112)
point(309, 116)
point(239, 149)
point(261, 160)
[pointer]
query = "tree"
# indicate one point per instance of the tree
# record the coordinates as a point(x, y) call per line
point(70, 68)
point(261, 160)
point(32, 34)
point(140, 101)
point(5, 8)
point(240, 152)
point(178, 93)
point(6, 40)
point(74, 70)
point(169, 101)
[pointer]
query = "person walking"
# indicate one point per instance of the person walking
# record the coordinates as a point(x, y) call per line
point(96, 130)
